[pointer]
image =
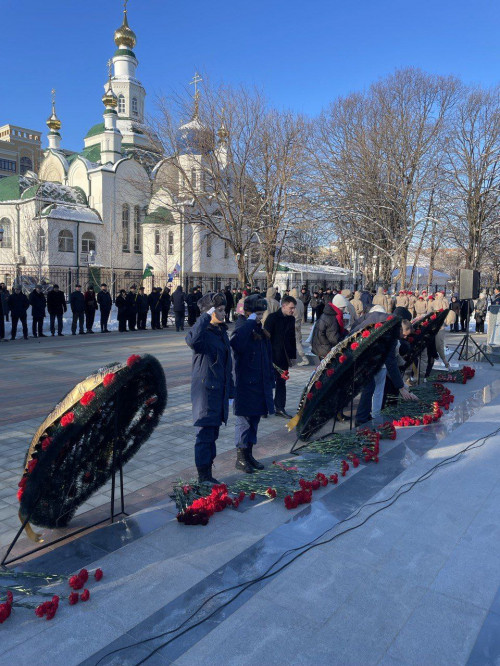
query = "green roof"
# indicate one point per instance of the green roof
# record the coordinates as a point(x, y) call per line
point(10, 189)
point(159, 216)
point(96, 129)
point(92, 153)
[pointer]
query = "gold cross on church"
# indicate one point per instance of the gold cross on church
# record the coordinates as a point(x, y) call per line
point(196, 79)
point(53, 93)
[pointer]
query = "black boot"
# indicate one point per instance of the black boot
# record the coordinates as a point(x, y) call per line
point(243, 461)
point(205, 475)
point(253, 462)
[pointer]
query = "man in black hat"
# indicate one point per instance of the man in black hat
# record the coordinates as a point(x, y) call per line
point(254, 380)
point(56, 305)
point(18, 305)
point(38, 302)
point(105, 302)
point(77, 304)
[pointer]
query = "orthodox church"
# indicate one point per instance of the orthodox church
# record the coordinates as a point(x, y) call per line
point(118, 205)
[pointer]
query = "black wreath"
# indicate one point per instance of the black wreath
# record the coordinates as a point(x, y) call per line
point(321, 401)
point(83, 455)
point(424, 330)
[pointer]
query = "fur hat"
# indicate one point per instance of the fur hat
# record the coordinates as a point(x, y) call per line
point(211, 300)
point(255, 303)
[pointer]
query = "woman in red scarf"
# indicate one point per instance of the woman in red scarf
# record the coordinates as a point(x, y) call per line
point(329, 329)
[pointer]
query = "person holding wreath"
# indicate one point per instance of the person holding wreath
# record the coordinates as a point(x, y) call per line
point(254, 379)
point(211, 380)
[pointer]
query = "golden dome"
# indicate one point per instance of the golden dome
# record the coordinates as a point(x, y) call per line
point(109, 99)
point(124, 36)
point(53, 122)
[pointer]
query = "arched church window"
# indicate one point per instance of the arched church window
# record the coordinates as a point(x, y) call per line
point(157, 241)
point(170, 242)
point(137, 230)
point(121, 104)
point(65, 241)
point(135, 110)
point(42, 240)
point(25, 164)
point(88, 242)
point(126, 228)
point(7, 232)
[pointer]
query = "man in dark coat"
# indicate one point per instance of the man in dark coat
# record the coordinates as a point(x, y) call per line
point(4, 297)
point(90, 308)
point(165, 303)
point(104, 301)
point(191, 301)
point(178, 301)
point(366, 299)
point(281, 327)
point(132, 307)
point(211, 380)
point(254, 380)
point(122, 305)
point(38, 303)
point(77, 304)
point(142, 309)
point(155, 307)
point(56, 306)
point(495, 299)
point(18, 304)
point(329, 329)
point(229, 303)
point(2, 319)
point(305, 297)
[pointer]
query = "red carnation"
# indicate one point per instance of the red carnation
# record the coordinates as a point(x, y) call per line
point(252, 496)
point(46, 443)
point(390, 318)
point(23, 482)
point(87, 398)
point(76, 582)
point(309, 396)
point(334, 478)
point(20, 494)
point(378, 324)
point(73, 598)
point(342, 358)
point(365, 334)
point(84, 575)
point(31, 465)
point(425, 323)
point(108, 379)
point(98, 574)
point(354, 346)
point(67, 419)
point(318, 385)
point(434, 316)
point(85, 595)
point(330, 372)
point(411, 339)
point(133, 359)
point(418, 331)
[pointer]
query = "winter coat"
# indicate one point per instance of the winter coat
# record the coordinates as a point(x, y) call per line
point(77, 302)
point(439, 303)
point(178, 298)
point(142, 303)
point(411, 304)
point(282, 330)
point(165, 300)
point(229, 300)
point(211, 374)
point(464, 309)
point(56, 302)
point(272, 303)
point(104, 300)
point(357, 304)
point(481, 307)
point(191, 301)
point(4, 297)
point(305, 297)
point(90, 301)
point(18, 304)
point(131, 299)
point(326, 333)
point(38, 303)
point(121, 304)
point(299, 314)
point(402, 301)
point(154, 300)
point(420, 307)
point(253, 369)
point(455, 306)
point(366, 299)
point(382, 299)
point(495, 299)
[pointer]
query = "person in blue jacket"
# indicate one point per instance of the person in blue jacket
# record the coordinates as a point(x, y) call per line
point(211, 380)
point(254, 379)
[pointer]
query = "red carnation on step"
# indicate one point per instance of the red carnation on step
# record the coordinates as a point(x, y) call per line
point(73, 598)
point(133, 359)
point(108, 379)
point(85, 595)
point(87, 398)
point(252, 496)
point(67, 419)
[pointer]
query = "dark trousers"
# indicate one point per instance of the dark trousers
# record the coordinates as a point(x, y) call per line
point(122, 321)
point(89, 319)
point(164, 317)
point(2, 327)
point(142, 318)
point(305, 314)
point(280, 392)
point(245, 431)
point(228, 315)
point(313, 315)
point(37, 326)
point(204, 448)
point(455, 327)
point(155, 318)
point(78, 318)
point(179, 320)
point(191, 316)
point(132, 318)
point(24, 323)
point(479, 324)
point(53, 318)
point(104, 320)
point(463, 322)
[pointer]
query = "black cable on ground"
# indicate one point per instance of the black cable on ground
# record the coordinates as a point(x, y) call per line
point(269, 573)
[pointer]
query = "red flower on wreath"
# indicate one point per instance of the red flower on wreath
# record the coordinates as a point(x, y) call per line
point(330, 372)
point(46, 443)
point(318, 385)
point(20, 494)
point(87, 398)
point(342, 358)
point(133, 359)
point(418, 331)
point(31, 465)
point(252, 496)
point(434, 316)
point(425, 323)
point(411, 339)
point(365, 334)
point(309, 396)
point(67, 419)
point(354, 346)
point(379, 324)
point(108, 379)
point(390, 318)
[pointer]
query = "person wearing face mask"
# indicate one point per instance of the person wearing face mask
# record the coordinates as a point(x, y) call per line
point(254, 380)
point(211, 380)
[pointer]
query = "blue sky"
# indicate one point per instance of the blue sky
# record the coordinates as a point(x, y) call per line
point(302, 54)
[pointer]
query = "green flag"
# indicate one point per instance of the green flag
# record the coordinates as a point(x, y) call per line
point(148, 272)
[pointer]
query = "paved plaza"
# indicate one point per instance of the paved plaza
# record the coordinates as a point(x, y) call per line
point(417, 582)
